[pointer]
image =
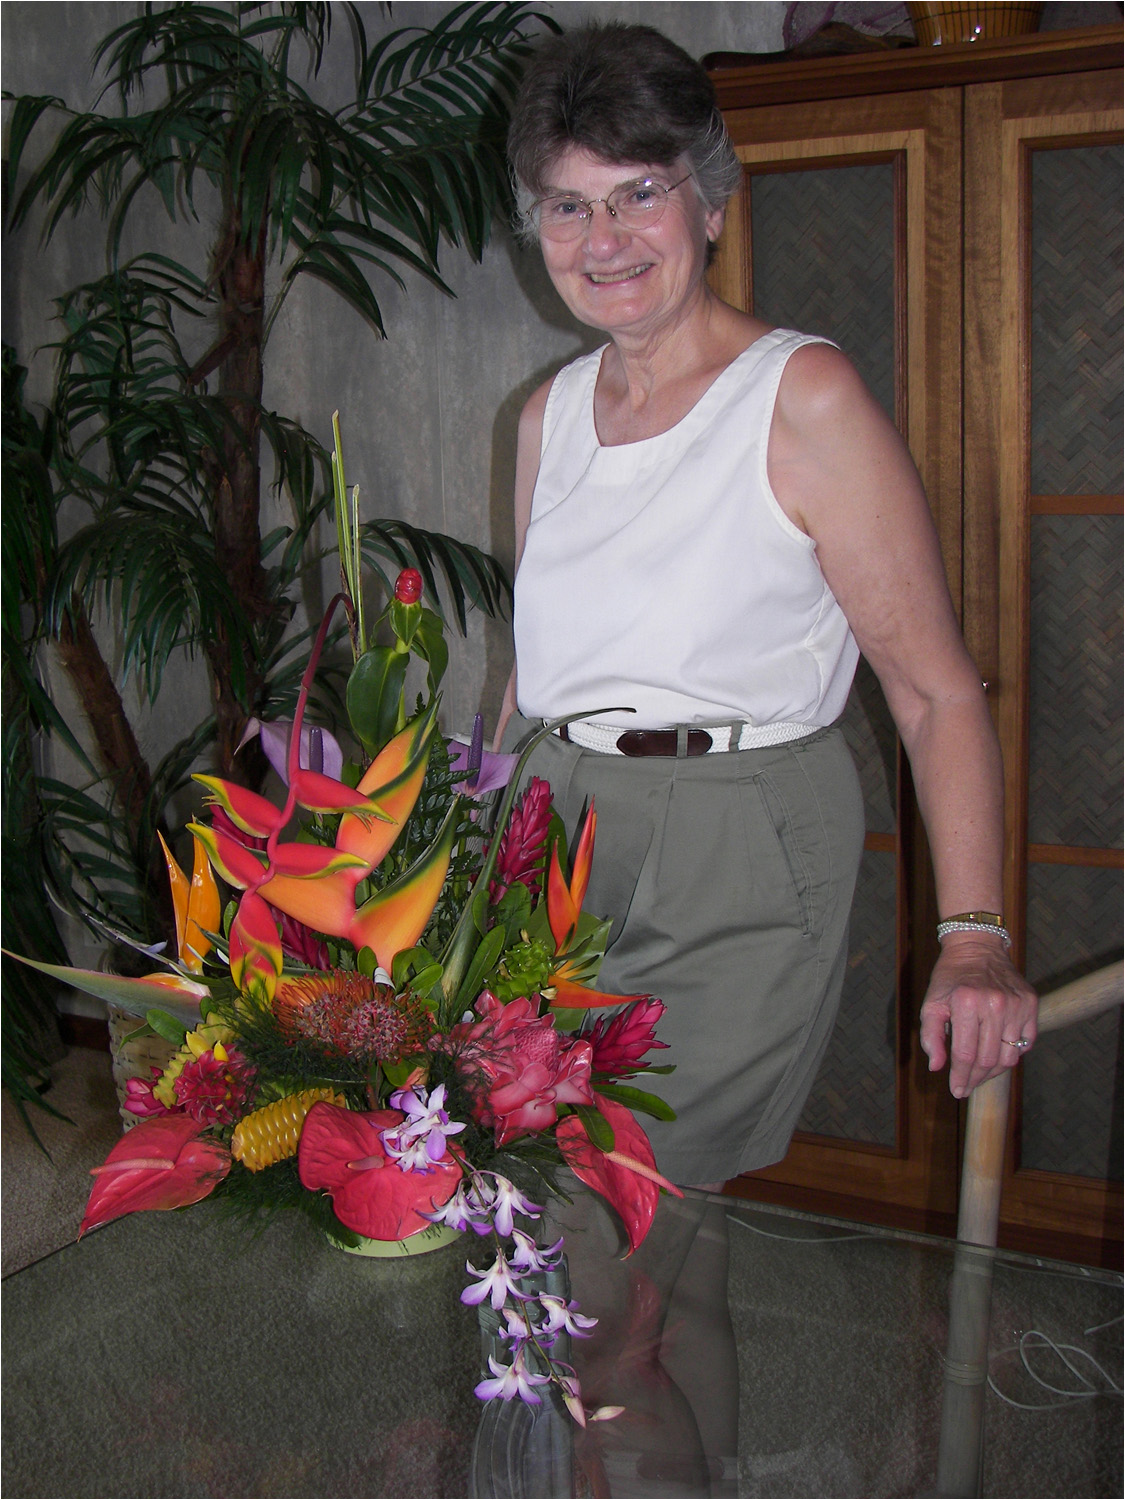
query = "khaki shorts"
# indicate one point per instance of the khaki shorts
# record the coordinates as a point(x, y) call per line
point(729, 881)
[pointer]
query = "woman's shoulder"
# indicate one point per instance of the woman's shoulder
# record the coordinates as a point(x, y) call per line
point(818, 378)
point(578, 375)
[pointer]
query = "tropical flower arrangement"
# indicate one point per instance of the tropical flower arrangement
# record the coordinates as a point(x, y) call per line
point(384, 1021)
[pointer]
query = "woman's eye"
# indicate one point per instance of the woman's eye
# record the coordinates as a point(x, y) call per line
point(564, 208)
point(644, 195)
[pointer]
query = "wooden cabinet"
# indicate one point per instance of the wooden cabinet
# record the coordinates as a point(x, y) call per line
point(952, 218)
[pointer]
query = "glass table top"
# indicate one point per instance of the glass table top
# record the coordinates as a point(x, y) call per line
point(755, 1351)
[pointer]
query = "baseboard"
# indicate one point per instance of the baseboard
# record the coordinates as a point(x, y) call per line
point(1086, 1250)
point(84, 1031)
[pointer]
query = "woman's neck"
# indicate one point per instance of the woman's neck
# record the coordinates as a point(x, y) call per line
point(650, 379)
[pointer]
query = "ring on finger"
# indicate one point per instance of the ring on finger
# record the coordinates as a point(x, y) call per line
point(1024, 1041)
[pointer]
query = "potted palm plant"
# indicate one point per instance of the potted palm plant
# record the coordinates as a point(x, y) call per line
point(160, 450)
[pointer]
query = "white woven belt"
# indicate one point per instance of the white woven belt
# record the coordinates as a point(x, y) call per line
point(603, 738)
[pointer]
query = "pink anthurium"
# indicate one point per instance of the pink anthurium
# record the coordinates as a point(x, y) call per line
point(164, 1162)
point(484, 771)
point(626, 1177)
point(342, 1153)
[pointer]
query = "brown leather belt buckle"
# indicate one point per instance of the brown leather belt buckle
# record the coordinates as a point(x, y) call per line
point(639, 742)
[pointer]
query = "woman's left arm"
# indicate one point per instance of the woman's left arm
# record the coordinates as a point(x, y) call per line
point(842, 474)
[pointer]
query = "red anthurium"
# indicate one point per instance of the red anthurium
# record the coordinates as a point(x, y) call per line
point(164, 1162)
point(255, 947)
point(626, 1177)
point(341, 1152)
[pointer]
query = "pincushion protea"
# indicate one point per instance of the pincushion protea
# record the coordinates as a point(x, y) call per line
point(352, 1015)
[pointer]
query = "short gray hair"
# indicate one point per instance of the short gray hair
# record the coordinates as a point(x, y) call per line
point(623, 93)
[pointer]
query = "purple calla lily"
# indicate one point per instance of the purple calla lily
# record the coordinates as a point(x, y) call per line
point(320, 751)
point(485, 772)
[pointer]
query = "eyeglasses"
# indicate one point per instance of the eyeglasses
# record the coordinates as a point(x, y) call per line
point(636, 205)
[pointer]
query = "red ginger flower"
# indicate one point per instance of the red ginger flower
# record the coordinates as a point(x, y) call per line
point(214, 1087)
point(620, 1042)
point(408, 586)
point(520, 856)
point(517, 1068)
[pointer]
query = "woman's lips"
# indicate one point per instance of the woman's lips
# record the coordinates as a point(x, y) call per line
point(614, 278)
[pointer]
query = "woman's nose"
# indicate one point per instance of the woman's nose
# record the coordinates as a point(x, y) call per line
point(604, 230)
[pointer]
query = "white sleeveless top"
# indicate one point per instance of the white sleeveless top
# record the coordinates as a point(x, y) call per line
point(663, 574)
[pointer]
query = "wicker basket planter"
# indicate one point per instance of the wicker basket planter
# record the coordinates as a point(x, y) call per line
point(133, 1058)
point(947, 25)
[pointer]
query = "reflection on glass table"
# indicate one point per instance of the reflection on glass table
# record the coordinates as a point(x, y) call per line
point(755, 1351)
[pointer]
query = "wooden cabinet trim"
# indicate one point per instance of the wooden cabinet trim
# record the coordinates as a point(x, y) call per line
point(805, 80)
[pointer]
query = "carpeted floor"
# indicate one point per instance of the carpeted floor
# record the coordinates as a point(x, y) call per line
point(45, 1187)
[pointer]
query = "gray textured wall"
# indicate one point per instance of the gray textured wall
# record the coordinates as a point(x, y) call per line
point(429, 415)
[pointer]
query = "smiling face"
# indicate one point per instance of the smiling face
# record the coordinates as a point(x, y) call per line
point(631, 282)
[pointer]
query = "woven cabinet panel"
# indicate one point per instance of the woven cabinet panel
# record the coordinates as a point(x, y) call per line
point(1075, 673)
point(822, 253)
point(1071, 1115)
point(1076, 329)
point(854, 1093)
point(870, 734)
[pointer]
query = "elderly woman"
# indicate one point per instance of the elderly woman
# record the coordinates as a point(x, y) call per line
point(713, 518)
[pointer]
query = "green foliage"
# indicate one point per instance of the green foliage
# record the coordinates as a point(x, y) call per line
point(207, 112)
point(414, 157)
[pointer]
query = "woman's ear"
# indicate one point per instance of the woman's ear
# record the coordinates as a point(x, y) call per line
point(716, 218)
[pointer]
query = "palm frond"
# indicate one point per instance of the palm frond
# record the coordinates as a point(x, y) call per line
point(448, 567)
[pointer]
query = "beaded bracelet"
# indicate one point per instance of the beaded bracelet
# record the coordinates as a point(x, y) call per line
point(968, 923)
